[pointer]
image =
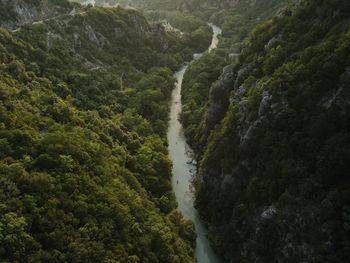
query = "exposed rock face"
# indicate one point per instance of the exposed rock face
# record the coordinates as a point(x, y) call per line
point(269, 213)
point(205, 4)
point(158, 35)
point(20, 12)
point(142, 28)
point(242, 74)
point(339, 97)
point(93, 30)
point(274, 182)
point(219, 97)
point(273, 42)
point(95, 37)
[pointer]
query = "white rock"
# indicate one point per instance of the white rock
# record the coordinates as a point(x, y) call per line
point(269, 213)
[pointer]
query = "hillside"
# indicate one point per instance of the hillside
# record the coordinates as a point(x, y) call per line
point(273, 139)
point(236, 21)
point(192, 27)
point(85, 174)
point(15, 13)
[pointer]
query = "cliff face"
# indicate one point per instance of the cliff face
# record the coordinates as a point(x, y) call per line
point(273, 181)
point(91, 35)
point(15, 13)
point(206, 94)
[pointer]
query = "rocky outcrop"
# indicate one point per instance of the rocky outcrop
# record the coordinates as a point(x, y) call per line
point(158, 35)
point(274, 183)
point(204, 5)
point(142, 28)
point(95, 37)
point(219, 97)
point(273, 42)
point(17, 13)
point(339, 97)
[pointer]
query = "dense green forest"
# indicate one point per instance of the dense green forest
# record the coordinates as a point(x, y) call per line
point(236, 22)
point(85, 174)
point(272, 137)
point(84, 168)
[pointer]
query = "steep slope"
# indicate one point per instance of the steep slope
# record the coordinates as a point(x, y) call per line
point(15, 13)
point(236, 22)
point(84, 168)
point(196, 31)
point(273, 181)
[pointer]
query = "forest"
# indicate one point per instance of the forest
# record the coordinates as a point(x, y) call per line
point(271, 133)
point(85, 171)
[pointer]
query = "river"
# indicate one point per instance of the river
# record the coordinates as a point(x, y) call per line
point(183, 168)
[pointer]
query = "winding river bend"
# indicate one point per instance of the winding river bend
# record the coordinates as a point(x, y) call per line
point(183, 168)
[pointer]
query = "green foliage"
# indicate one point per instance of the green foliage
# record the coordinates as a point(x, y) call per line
point(195, 93)
point(274, 171)
point(195, 31)
point(84, 167)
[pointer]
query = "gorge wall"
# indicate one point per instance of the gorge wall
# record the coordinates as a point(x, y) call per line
point(273, 140)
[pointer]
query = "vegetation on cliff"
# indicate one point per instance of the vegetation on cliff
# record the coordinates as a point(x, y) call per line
point(15, 13)
point(84, 168)
point(273, 141)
